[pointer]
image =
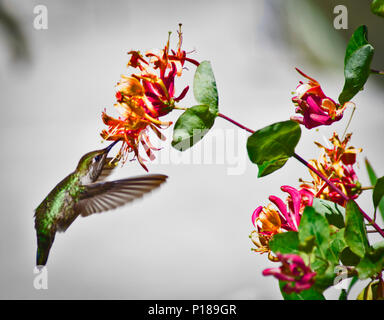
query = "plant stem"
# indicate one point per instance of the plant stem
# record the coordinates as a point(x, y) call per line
point(349, 121)
point(373, 231)
point(235, 122)
point(377, 71)
point(367, 188)
point(179, 108)
point(323, 177)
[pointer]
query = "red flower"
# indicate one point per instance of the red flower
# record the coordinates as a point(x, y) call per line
point(315, 107)
point(294, 271)
point(144, 97)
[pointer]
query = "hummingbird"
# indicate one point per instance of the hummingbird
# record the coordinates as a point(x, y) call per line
point(82, 193)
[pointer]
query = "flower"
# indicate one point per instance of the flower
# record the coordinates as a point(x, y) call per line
point(340, 152)
point(268, 221)
point(261, 241)
point(315, 107)
point(145, 96)
point(294, 271)
point(336, 164)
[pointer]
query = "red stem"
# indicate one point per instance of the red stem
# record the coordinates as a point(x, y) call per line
point(325, 179)
point(377, 71)
point(235, 123)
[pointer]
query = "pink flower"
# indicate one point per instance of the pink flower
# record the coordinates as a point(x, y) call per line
point(315, 107)
point(294, 271)
point(269, 221)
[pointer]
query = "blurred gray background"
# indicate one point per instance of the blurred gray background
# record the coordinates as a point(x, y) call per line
point(189, 240)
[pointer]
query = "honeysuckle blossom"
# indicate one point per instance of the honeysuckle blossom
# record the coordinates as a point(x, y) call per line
point(271, 221)
point(145, 96)
point(261, 241)
point(336, 164)
point(294, 271)
point(314, 107)
point(268, 221)
point(340, 152)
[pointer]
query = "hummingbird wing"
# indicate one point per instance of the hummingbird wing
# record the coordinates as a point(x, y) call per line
point(103, 196)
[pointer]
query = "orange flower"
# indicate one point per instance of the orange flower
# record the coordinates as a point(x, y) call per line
point(336, 164)
point(261, 241)
point(268, 221)
point(144, 97)
point(340, 152)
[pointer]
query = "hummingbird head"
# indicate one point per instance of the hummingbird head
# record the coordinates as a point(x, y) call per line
point(91, 164)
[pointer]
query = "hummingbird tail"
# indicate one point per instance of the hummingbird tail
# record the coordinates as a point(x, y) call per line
point(43, 247)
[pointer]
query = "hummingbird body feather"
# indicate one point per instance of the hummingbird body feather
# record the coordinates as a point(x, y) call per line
point(51, 214)
point(80, 194)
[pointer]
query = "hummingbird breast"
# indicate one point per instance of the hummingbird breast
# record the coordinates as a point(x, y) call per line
point(58, 207)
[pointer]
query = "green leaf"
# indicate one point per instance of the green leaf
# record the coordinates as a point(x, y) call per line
point(286, 242)
point(318, 264)
point(192, 126)
point(332, 211)
point(336, 246)
point(310, 294)
point(352, 283)
point(268, 167)
point(344, 293)
point(357, 64)
point(378, 192)
point(371, 173)
point(371, 264)
point(377, 7)
point(204, 87)
point(348, 258)
point(313, 224)
point(325, 277)
point(322, 259)
point(195, 122)
point(357, 40)
point(355, 231)
point(373, 180)
point(308, 244)
point(272, 146)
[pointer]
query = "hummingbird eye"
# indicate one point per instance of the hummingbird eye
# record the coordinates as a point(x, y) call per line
point(97, 158)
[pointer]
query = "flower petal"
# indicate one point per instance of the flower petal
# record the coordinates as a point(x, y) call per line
point(255, 215)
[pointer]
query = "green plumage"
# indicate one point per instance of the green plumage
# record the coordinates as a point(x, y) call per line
point(53, 212)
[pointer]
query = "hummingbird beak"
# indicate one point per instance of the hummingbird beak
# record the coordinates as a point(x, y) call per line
point(107, 149)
